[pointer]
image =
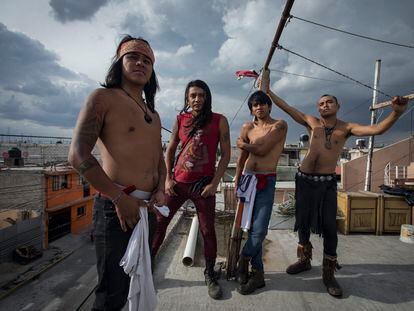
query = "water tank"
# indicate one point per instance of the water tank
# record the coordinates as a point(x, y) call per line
point(304, 140)
point(15, 153)
point(15, 158)
point(361, 143)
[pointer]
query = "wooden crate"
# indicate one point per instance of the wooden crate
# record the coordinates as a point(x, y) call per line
point(412, 215)
point(394, 212)
point(357, 212)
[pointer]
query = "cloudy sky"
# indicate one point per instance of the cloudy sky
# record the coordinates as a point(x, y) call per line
point(54, 52)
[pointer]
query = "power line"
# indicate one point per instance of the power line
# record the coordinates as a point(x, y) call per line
point(165, 129)
point(337, 72)
point(405, 113)
point(353, 34)
point(356, 107)
point(237, 112)
point(35, 136)
point(309, 77)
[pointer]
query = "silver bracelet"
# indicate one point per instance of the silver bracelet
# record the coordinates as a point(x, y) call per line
point(116, 199)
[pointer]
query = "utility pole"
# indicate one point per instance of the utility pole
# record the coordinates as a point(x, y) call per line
point(368, 173)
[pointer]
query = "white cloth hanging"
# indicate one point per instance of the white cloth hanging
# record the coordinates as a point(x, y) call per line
point(137, 264)
point(246, 191)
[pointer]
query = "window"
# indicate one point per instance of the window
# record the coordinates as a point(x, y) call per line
point(64, 181)
point(55, 183)
point(60, 182)
point(81, 211)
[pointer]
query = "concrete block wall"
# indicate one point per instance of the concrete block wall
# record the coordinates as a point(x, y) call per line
point(21, 189)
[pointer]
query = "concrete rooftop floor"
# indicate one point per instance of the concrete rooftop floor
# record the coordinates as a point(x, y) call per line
point(377, 274)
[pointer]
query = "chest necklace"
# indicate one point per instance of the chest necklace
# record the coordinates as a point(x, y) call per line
point(328, 134)
point(147, 117)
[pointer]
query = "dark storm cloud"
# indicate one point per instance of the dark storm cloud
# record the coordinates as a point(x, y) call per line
point(60, 110)
point(24, 60)
point(352, 56)
point(72, 10)
point(39, 87)
point(33, 86)
point(173, 24)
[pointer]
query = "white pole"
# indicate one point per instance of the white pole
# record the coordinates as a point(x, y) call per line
point(188, 257)
point(368, 174)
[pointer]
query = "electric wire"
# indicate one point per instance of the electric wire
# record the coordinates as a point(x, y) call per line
point(238, 110)
point(310, 77)
point(335, 71)
point(353, 34)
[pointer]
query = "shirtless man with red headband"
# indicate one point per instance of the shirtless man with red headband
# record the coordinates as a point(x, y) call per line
point(127, 131)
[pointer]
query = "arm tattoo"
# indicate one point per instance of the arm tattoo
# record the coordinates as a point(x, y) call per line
point(91, 125)
point(87, 165)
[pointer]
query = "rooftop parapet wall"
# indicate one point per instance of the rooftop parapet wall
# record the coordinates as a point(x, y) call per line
point(353, 172)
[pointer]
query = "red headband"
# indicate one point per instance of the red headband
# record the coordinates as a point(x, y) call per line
point(138, 46)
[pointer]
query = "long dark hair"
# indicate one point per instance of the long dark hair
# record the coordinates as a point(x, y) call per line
point(204, 116)
point(113, 77)
point(259, 97)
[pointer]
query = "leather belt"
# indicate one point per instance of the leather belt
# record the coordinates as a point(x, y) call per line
point(328, 177)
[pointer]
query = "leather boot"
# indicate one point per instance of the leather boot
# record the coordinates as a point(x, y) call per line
point(242, 269)
point(304, 253)
point(329, 266)
point(214, 290)
point(255, 281)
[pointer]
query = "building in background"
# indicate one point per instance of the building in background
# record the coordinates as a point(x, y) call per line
point(55, 194)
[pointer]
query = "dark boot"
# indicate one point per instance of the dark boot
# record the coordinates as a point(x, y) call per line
point(329, 266)
point(255, 281)
point(242, 269)
point(304, 253)
point(214, 290)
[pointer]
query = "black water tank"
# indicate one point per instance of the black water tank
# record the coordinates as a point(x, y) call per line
point(15, 153)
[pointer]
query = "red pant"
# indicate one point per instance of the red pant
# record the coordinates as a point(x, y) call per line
point(205, 208)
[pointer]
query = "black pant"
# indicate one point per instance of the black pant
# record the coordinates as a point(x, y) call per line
point(316, 207)
point(110, 245)
point(330, 240)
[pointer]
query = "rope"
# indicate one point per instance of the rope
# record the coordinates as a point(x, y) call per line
point(353, 34)
point(337, 72)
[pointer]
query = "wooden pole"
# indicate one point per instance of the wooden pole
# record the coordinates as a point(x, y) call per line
point(237, 233)
point(388, 102)
point(282, 23)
